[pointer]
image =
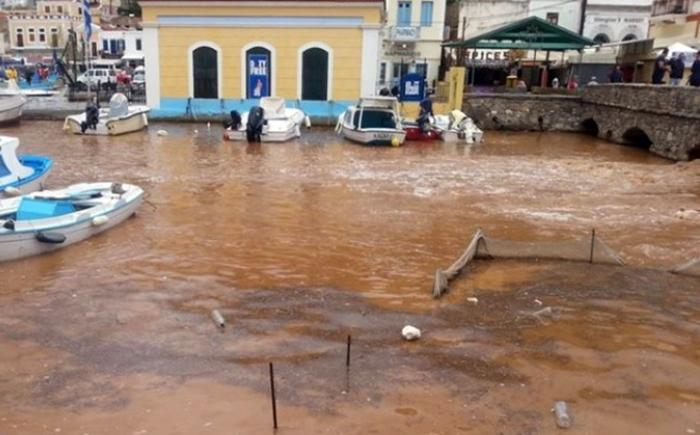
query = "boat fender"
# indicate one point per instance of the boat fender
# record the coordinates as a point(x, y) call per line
point(162, 133)
point(12, 191)
point(50, 237)
point(307, 122)
point(395, 141)
point(100, 220)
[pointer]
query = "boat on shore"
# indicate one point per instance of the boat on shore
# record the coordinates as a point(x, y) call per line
point(270, 121)
point(23, 174)
point(11, 102)
point(118, 118)
point(45, 221)
point(373, 121)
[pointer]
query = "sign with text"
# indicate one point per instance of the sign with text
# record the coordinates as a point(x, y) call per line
point(258, 76)
point(412, 87)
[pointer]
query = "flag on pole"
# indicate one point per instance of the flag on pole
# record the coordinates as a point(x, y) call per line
point(87, 17)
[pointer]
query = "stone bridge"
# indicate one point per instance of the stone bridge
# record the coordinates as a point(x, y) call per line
point(662, 119)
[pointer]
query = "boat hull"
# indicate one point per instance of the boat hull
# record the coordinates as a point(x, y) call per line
point(138, 120)
point(41, 165)
point(11, 109)
point(14, 246)
point(414, 133)
point(380, 137)
point(269, 136)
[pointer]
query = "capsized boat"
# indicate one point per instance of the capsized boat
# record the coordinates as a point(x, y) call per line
point(458, 126)
point(373, 121)
point(119, 118)
point(20, 175)
point(270, 121)
point(45, 221)
point(11, 102)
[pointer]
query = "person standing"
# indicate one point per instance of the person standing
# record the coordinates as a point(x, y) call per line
point(660, 65)
point(695, 71)
point(677, 68)
point(616, 74)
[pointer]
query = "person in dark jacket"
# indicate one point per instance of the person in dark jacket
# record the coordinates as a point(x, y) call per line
point(660, 65)
point(695, 72)
point(426, 111)
point(677, 65)
point(616, 75)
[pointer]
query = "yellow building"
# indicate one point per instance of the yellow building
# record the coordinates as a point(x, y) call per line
point(208, 57)
point(675, 21)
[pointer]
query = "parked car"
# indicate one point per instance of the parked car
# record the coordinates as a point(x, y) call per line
point(139, 77)
point(93, 77)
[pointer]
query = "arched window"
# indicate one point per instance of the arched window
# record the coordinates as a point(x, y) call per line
point(205, 69)
point(601, 38)
point(629, 37)
point(315, 72)
point(258, 72)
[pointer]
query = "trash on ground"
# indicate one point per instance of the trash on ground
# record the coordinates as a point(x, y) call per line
point(410, 333)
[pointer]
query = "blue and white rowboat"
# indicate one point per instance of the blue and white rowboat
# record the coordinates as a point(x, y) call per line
point(20, 175)
point(45, 221)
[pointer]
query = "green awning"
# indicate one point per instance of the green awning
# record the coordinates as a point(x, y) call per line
point(532, 33)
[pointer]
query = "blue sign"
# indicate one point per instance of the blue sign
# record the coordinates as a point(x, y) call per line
point(258, 76)
point(412, 87)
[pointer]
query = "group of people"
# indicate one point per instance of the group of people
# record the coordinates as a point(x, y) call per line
point(675, 68)
point(11, 73)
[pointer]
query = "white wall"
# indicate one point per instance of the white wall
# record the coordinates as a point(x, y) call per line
point(481, 16)
point(569, 13)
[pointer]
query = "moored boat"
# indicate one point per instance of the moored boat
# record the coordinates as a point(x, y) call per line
point(45, 221)
point(458, 126)
point(11, 102)
point(373, 121)
point(23, 174)
point(270, 121)
point(414, 132)
point(119, 118)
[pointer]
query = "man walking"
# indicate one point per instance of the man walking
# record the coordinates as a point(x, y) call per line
point(657, 78)
point(695, 71)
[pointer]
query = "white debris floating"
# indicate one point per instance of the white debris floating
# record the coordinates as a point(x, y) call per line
point(410, 333)
point(473, 300)
point(162, 133)
point(218, 318)
point(561, 415)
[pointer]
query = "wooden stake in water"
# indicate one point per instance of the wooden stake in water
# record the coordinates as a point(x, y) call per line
point(590, 259)
point(274, 400)
point(347, 354)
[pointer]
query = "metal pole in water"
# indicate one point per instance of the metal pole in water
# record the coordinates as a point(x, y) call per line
point(274, 400)
point(347, 354)
point(590, 259)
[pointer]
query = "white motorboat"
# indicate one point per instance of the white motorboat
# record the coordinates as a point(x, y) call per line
point(119, 118)
point(275, 123)
point(373, 121)
point(45, 221)
point(23, 174)
point(11, 102)
point(457, 126)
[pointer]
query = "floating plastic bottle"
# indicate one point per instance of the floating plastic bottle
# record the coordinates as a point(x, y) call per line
point(561, 414)
point(218, 318)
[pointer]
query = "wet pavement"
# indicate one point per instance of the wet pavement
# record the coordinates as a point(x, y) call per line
point(299, 245)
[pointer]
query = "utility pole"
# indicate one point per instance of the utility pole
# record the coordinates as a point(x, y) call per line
point(584, 5)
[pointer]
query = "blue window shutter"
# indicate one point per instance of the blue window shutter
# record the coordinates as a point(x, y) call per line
point(426, 13)
point(404, 18)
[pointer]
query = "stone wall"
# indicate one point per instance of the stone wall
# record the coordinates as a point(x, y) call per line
point(524, 111)
point(664, 119)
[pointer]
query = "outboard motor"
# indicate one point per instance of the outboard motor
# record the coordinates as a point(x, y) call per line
point(92, 117)
point(256, 121)
point(235, 121)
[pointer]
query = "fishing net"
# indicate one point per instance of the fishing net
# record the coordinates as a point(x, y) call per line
point(589, 249)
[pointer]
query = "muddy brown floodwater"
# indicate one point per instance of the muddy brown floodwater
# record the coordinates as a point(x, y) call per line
point(299, 245)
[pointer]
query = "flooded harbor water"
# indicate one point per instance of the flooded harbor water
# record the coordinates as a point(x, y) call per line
point(301, 244)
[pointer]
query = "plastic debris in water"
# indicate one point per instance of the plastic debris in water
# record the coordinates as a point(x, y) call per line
point(218, 318)
point(162, 133)
point(561, 414)
point(410, 333)
point(473, 300)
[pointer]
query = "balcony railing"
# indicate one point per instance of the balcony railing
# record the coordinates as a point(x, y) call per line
point(404, 33)
point(670, 7)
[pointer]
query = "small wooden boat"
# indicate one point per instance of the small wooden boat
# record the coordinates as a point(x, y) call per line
point(373, 121)
point(270, 121)
point(119, 118)
point(457, 126)
point(20, 175)
point(11, 102)
point(415, 133)
point(45, 221)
